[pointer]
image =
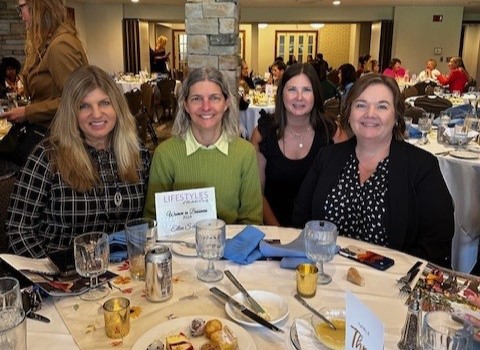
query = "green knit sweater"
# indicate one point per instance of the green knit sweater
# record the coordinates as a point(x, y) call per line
point(235, 178)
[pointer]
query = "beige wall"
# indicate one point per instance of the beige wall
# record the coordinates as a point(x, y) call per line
point(415, 35)
point(471, 50)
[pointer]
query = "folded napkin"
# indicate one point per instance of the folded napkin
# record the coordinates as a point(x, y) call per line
point(414, 133)
point(248, 246)
point(456, 113)
point(118, 246)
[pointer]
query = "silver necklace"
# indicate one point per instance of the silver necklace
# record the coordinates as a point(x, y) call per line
point(300, 136)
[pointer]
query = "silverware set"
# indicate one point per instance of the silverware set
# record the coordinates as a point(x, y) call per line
point(403, 283)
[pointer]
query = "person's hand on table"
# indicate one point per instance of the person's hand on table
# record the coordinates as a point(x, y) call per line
point(15, 115)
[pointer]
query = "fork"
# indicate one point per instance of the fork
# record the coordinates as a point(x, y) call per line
point(406, 289)
point(408, 276)
point(185, 243)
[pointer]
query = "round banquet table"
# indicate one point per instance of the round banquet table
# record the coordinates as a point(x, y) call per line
point(379, 294)
point(462, 177)
point(249, 118)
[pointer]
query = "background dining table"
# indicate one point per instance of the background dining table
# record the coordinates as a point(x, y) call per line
point(249, 118)
point(79, 324)
point(462, 177)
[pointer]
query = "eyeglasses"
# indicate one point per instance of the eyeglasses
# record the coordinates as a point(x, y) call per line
point(20, 7)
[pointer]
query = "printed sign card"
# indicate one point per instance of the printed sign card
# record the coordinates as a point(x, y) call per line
point(363, 329)
point(178, 211)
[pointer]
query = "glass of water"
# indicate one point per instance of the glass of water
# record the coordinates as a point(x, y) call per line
point(442, 332)
point(13, 329)
point(210, 239)
point(91, 260)
point(424, 125)
point(320, 244)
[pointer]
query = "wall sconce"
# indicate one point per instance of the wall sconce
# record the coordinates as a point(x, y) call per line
point(317, 25)
point(262, 25)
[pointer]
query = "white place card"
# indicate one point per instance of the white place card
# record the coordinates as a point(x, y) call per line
point(178, 211)
point(364, 330)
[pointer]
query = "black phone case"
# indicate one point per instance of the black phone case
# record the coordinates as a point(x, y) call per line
point(367, 257)
point(64, 260)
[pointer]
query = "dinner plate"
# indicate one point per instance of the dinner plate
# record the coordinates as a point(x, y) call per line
point(295, 342)
point(182, 249)
point(464, 155)
point(275, 306)
point(163, 330)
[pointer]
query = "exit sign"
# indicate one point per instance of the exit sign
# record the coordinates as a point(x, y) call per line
point(438, 18)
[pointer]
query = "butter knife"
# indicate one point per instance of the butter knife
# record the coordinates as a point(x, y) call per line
point(256, 306)
point(243, 309)
point(315, 312)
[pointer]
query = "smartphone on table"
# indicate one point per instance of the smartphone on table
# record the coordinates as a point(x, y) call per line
point(367, 257)
point(64, 260)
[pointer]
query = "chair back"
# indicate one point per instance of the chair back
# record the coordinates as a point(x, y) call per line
point(134, 100)
point(409, 92)
point(413, 112)
point(332, 107)
point(6, 187)
point(148, 100)
point(168, 101)
point(422, 86)
point(433, 104)
point(178, 74)
point(141, 119)
point(332, 77)
point(471, 83)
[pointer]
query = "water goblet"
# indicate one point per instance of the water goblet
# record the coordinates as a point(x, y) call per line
point(424, 125)
point(320, 245)
point(210, 239)
point(92, 253)
point(13, 326)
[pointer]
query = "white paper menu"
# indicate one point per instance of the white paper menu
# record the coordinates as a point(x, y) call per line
point(178, 211)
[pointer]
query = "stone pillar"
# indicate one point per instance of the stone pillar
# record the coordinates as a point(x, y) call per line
point(12, 31)
point(212, 28)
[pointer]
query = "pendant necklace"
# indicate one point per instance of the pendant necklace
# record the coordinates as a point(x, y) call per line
point(300, 136)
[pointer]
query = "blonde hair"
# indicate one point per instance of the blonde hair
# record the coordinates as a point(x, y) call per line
point(230, 119)
point(47, 16)
point(160, 42)
point(69, 154)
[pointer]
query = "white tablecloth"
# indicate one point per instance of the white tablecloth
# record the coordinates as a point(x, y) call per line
point(463, 181)
point(126, 86)
point(379, 293)
point(249, 118)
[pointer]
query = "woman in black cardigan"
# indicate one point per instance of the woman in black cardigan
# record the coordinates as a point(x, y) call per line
point(375, 187)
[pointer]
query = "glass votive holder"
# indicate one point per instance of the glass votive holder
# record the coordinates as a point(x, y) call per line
point(116, 312)
point(307, 275)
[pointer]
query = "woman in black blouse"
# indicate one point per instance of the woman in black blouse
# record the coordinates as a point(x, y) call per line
point(375, 187)
point(90, 174)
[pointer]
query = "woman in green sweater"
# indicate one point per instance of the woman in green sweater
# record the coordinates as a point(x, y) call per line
point(206, 151)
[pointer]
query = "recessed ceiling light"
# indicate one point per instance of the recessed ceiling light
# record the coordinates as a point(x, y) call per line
point(262, 25)
point(134, 0)
point(336, 2)
point(317, 25)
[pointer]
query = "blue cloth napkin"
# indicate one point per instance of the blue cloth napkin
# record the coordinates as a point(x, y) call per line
point(118, 246)
point(457, 113)
point(414, 132)
point(243, 248)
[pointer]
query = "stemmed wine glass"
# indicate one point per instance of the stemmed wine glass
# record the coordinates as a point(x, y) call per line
point(91, 260)
point(210, 239)
point(320, 244)
point(424, 125)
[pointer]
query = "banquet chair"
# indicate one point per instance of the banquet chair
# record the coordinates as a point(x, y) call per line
point(471, 83)
point(141, 119)
point(168, 101)
point(433, 104)
point(178, 74)
point(422, 86)
point(413, 112)
point(149, 105)
point(332, 77)
point(332, 107)
point(409, 92)
point(6, 187)
point(134, 100)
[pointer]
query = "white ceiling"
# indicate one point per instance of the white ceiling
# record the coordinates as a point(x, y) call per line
point(470, 5)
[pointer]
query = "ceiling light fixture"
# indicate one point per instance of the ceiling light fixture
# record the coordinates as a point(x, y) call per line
point(317, 25)
point(336, 2)
point(262, 25)
point(135, 1)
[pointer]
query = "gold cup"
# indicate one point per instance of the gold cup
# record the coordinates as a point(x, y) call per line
point(307, 275)
point(116, 312)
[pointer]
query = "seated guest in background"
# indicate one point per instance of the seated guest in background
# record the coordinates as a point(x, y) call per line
point(90, 174)
point(52, 52)
point(327, 88)
point(288, 141)
point(11, 67)
point(291, 60)
point(458, 77)
point(319, 59)
point(347, 77)
point(371, 66)
point(309, 59)
point(395, 69)
point(277, 70)
point(206, 151)
point(375, 187)
point(362, 61)
point(245, 75)
point(430, 72)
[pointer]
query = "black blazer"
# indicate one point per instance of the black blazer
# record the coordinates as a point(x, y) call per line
point(420, 207)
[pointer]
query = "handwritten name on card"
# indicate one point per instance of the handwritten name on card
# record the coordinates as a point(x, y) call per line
point(178, 211)
point(364, 331)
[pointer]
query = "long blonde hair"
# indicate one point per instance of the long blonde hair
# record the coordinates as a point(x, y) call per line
point(47, 16)
point(69, 155)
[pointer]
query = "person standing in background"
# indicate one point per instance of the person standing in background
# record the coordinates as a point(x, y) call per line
point(52, 52)
point(160, 56)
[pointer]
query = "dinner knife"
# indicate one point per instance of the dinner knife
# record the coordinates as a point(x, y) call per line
point(37, 317)
point(315, 312)
point(243, 309)
point(256, 306)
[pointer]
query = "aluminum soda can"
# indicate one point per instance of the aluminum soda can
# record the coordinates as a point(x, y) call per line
point(158, 274)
